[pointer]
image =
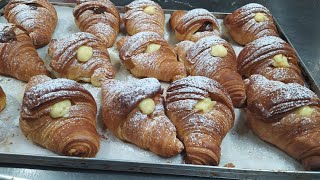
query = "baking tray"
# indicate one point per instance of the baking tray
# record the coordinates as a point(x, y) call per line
point(147, 162)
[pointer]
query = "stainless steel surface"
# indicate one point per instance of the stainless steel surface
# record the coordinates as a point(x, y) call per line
point(296, 19)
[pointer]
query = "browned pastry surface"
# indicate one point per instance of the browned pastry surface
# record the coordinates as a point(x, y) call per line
point(124, 118)
point(273, 115)
point(161, 64)
point(194, 25)
point(201, 132)
point(65, 63)
point(37, 17)
point(243, 27)
point(257, 58)
point(18, 56)
point(136, 20)
point(98, 17)
point(73, 134)
point(3, 99)
point(199, 61)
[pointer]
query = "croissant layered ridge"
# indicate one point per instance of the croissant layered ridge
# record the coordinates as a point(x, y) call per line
point(73, 134)
point(201, 130)
point(123, 114)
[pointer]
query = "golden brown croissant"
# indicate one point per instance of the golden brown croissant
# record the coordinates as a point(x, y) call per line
point(203, 114)
point(271, 57)
point(19, 57)
point(194, 25)
point(98, 17)
point(249, 23)
point(214, 58)
point(81, 57)
point(286, 115)
point(134, 112)
point(147, 54)
point(144, 15)
point(60, 115)
point(3, 99)
point(37, 17)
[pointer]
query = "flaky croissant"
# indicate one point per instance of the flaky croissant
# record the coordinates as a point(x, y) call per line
point(81, 57)
point(203, 114)
point(214, 58)
point(18, 56)
point(98, 17)
point(144, 15)
point(271, 57)
point(286, 115)
point(134, 112)
point(147, 54)
point(3, 99)
point(37, 17)
point(249, 23)
point(194, 25)
point(60, 115)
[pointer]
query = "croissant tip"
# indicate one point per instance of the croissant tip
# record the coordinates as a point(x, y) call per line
point(311, 163)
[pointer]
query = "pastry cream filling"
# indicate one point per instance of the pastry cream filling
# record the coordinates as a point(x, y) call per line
point(60, 109)
point(84, 53)
point(219, 51)
point(150, 10)
point(147, 106)
point(260, 17)
point(280, 61)
point(152, 48)
point(305, 111)
point(205, 105)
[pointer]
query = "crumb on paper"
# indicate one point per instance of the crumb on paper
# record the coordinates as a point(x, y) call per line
point(229, 165)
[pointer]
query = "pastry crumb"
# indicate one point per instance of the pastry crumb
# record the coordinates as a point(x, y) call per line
point(230, 165)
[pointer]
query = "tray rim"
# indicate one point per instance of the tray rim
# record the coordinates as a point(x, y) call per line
point(59, 161)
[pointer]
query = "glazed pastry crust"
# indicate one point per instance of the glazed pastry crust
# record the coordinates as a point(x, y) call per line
point(257, 58)
point(201, 132)
point(37, 17)
point(71, 135)
point(244, 29)
point(272, 115)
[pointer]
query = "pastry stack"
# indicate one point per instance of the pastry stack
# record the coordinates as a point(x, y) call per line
point(207, 80)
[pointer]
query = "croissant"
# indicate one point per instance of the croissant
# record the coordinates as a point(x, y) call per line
point(3, 99)
point(37, 17)
point(18, 56)
point(147, 54)
point(271, 57)
point(144, 15)
point(60, 115)
point(249, 23)
point(134, 112)
point(81, 57)
point(213, 57)
point(194, 25)
point(98, 17)
point(203, 114)
point(286, 115)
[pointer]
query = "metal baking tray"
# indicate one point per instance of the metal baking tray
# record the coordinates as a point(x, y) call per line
point(169, 166)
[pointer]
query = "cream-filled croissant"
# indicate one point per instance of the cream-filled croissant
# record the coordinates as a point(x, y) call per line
point(147, 54)
point(134, 112)
point(144, 15)
point(81, 57)
point(60, 115)
point(213, 57)
point(98, 17)
point(37, 17)
point(203, 114)
point(271, 57)
point(286, 115)
point(18, 57)
point(194, 25)
point(249, 23)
